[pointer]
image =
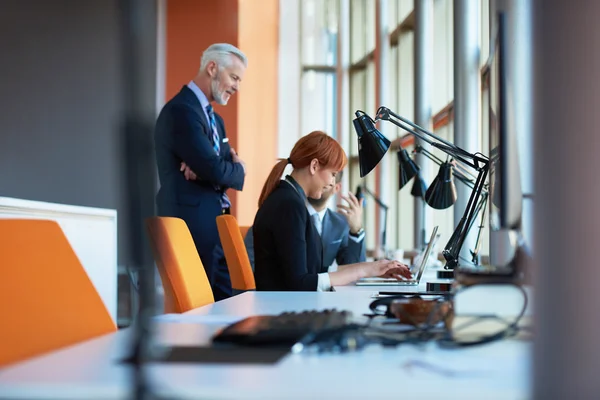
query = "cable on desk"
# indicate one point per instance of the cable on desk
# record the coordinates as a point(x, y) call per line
point(449, 340)
point(353, 337)
point(444, 337)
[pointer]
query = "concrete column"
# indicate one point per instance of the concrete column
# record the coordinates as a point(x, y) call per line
point(467, 94)
point(423, 77)
point(566, 94)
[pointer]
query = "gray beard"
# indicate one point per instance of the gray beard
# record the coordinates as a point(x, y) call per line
point(218, 96)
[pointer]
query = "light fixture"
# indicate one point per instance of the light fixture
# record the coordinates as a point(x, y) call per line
point(467, 178)
point(407, 168)
point(372, 145)
point(443, 191)
point(419, 187)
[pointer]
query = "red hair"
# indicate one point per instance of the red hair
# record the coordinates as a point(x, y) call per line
point(317, 145)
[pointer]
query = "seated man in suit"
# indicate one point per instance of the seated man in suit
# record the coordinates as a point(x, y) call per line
point(341, 232)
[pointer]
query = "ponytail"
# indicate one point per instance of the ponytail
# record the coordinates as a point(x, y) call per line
point(272, 180)
point(316, 145)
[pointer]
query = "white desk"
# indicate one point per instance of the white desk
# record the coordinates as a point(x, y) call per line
point(90, 370)
point(429, 275)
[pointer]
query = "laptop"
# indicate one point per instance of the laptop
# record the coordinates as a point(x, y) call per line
point(377, 281)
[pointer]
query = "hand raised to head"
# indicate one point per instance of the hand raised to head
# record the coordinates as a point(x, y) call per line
point(353, 212)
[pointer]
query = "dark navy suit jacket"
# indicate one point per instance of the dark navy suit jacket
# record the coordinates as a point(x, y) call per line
point(183, 133)
point(287, 248)
point(337, 244)
point(335, 240)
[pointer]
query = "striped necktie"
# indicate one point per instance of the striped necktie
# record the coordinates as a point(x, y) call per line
point(225, 202)
point(213, 127)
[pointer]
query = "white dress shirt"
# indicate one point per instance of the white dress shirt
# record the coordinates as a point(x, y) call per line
point(323, 280)
point(201, 97)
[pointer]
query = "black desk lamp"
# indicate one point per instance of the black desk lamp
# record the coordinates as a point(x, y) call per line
point(419, 187)
point(372, 146)
point(407, 168)
point(367, 133)
point(467, 179)
point(442, 191)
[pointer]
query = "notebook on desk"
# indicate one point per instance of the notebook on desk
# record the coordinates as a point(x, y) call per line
point(376, 281)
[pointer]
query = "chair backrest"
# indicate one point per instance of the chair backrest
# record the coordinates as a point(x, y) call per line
point(47, 300)
point(181, 271)
point(238, 263)
point(244, 230)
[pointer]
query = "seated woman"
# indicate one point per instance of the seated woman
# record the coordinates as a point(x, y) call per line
point(287, 246)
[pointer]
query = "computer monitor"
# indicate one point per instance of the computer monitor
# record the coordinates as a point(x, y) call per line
point(505, 196)
point(507, 246)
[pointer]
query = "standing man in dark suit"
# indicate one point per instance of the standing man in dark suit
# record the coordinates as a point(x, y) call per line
point(341, 234)
point(195, 162)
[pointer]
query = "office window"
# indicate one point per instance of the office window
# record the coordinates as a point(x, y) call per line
point(324, 77)
point(392, 132)
point(319, 37)
point(441, 98)
point(319, 102)
point(443, 55)
point(319, 32)
point(404, 96)
point(484, 42)
point(362, 97)
point(392, 8)
point(362, 28)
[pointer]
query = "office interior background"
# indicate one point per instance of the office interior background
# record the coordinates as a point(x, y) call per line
point(312, 64)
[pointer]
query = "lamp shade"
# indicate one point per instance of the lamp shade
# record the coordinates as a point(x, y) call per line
point(372, 145)
point(407, 168)
point(442, 191)
point(419, 187)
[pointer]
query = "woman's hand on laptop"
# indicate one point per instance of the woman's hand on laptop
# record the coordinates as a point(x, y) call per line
point(390, 269)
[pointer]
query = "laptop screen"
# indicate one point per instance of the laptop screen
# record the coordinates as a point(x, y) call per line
point(427, 253)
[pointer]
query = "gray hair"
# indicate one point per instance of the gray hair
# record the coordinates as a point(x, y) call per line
point(221, 54)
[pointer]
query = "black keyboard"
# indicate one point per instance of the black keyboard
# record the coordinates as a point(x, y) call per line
point(284, 329)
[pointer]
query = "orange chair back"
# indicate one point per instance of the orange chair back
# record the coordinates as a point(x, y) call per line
point(47, 300)
point(244, 230)
point(181, 271)
point(238, 263)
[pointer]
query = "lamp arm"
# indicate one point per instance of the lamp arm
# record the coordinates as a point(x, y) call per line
point(452, 249)
point(460, 168)
point(477, 161)
point(459, 173)
point(428, 154)
point(471, 160)
point(377, 199)
point(481, 206)
point(384, 113)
